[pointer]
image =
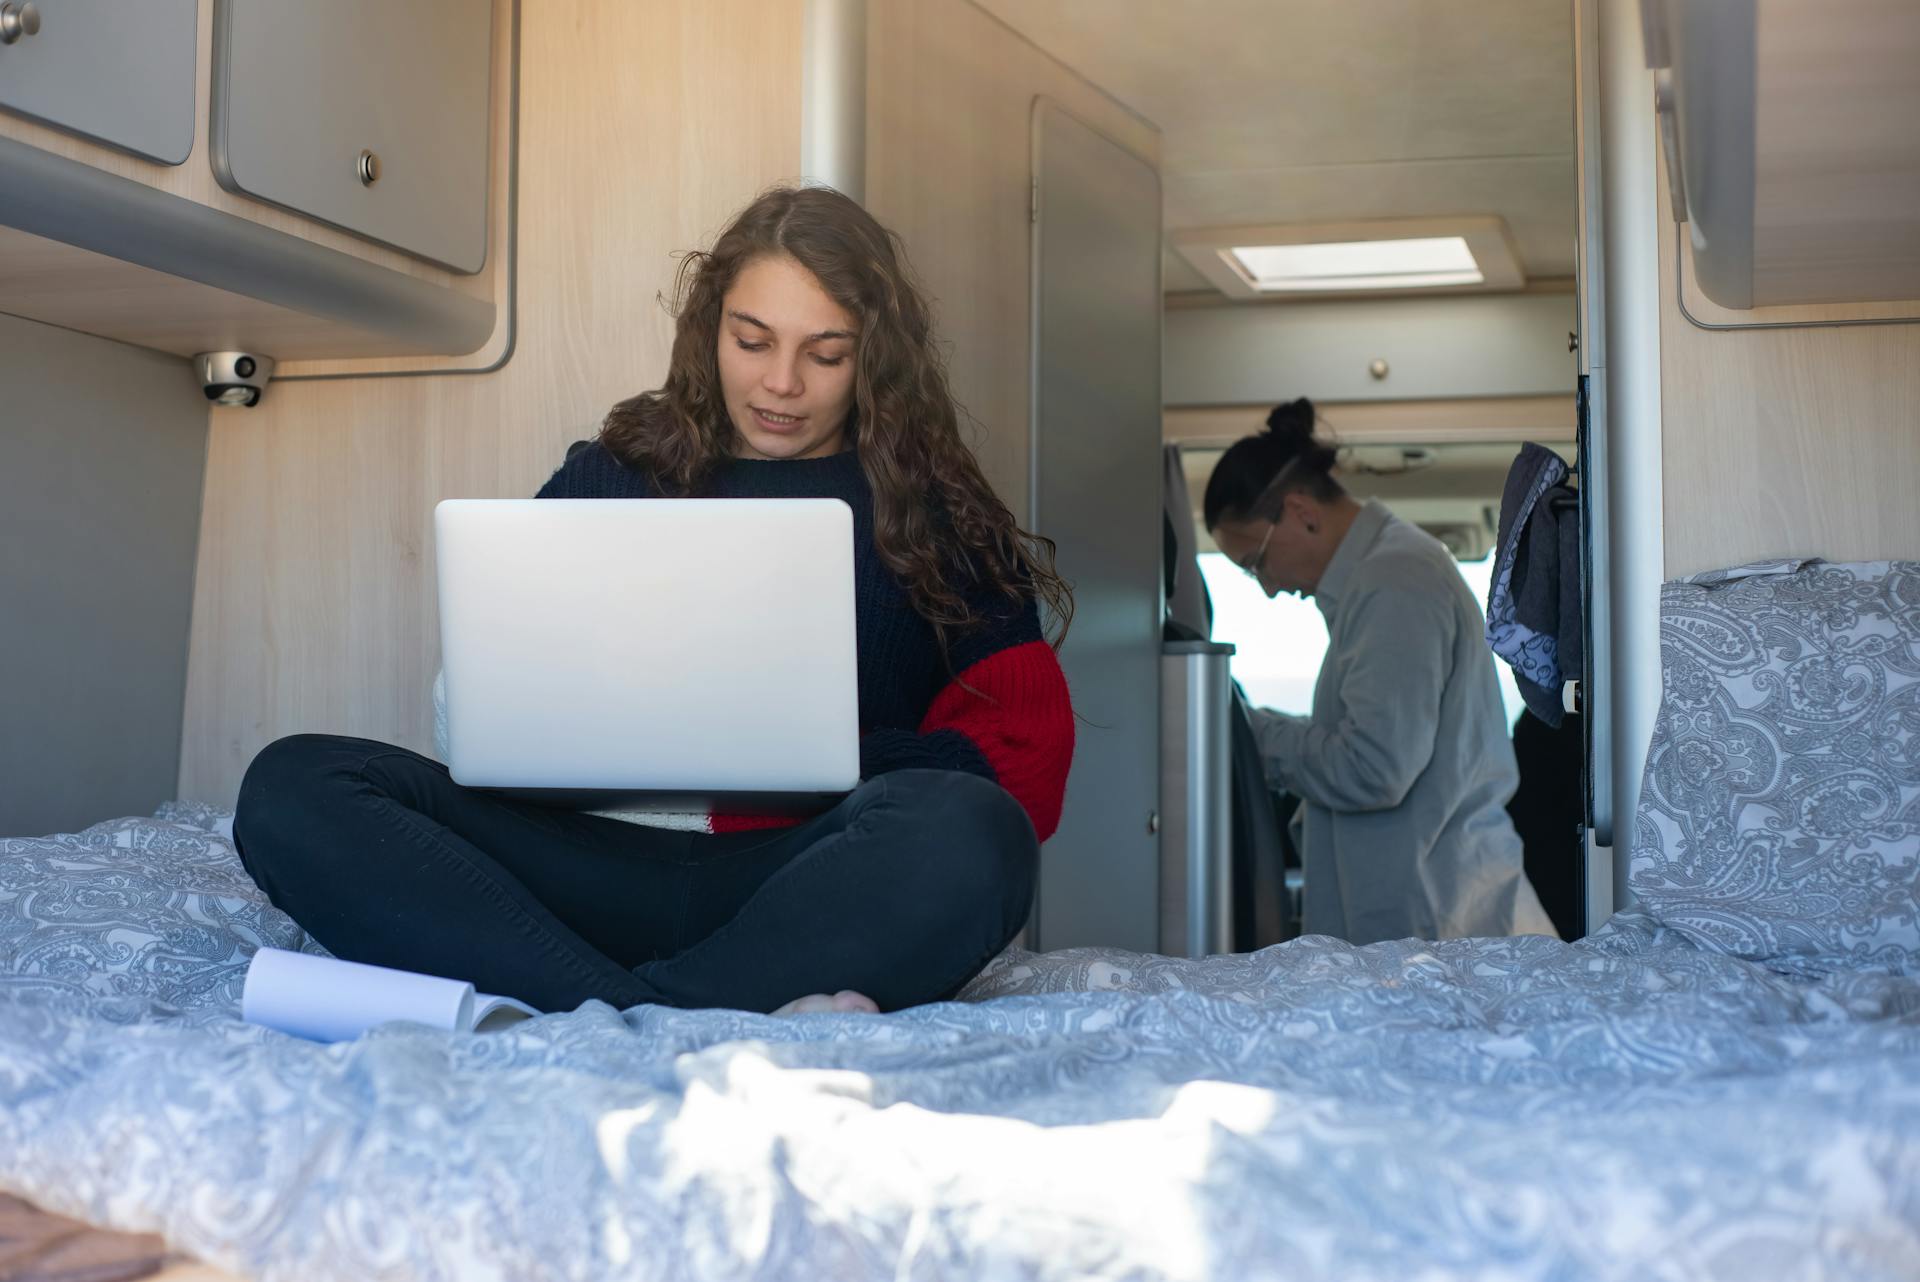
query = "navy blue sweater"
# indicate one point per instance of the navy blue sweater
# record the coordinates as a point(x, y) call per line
point(902, 669)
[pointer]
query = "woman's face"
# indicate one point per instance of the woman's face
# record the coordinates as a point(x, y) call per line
point(1280, 555)
point(786, 361)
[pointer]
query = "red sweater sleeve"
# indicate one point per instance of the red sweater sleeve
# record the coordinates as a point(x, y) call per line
point(1006, 717)
point(1018, 717)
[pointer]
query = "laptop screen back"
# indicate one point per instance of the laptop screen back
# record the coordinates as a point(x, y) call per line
point(684, 646)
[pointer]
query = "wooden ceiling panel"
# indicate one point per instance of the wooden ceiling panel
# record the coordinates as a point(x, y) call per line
point(1303, 110)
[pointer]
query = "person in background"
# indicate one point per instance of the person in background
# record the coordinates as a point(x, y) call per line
point(1548, 811)
point(1404, 767)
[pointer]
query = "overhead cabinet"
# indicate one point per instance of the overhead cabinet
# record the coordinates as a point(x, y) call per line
point(114, 71)
point(310, 180)
point(365, 114)
point(1791, 130)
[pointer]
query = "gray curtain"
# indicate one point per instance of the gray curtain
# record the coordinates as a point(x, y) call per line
point(1187, 602)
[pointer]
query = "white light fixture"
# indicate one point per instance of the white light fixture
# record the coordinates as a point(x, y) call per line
point(1404, 255)
point(1418, 263)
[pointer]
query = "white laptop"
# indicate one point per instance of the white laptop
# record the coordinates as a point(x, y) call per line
point(667, 651)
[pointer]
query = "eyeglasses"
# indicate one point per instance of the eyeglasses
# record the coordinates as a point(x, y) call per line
point(1251, 567)
point(1269, 494)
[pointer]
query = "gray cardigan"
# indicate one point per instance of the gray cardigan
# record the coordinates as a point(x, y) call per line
point(1405, 767)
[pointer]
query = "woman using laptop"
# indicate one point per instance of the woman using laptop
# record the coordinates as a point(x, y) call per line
point(803, 365)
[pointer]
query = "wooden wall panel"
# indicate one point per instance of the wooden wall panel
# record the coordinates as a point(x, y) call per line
point(1786, 442)
point(950, 92)
point(644, 125)
point(1836, 165)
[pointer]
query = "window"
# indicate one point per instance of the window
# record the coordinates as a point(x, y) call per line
point(1325, 260)
point(1360, 264)
point(1280, 643)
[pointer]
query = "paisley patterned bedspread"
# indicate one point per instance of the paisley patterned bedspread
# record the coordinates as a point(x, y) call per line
point(1629, 1106)
point(1727, 1086)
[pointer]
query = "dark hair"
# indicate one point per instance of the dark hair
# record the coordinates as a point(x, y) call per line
point(933, 511)
point(1241, 478)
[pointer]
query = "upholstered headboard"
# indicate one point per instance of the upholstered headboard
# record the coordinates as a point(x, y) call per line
point(1779, 819)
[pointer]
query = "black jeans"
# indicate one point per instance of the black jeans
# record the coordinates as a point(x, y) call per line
point(903, 891)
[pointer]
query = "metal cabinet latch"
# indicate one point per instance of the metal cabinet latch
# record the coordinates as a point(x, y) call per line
point(18, 20)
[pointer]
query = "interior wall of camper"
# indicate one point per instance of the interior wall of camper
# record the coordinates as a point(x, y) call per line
point(644, 126)
point(101, 460)
point(950, 93)
point(976, 140)
point(1790, 442)
point(1433, 349)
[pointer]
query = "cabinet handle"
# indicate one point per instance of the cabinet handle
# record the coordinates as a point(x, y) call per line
point(1666, 111)
point(367, 167)
point(18, 20)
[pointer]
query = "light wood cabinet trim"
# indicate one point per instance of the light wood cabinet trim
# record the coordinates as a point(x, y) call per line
point(1702, 312)
point(1836, 165)
point(60, 284)
point(1480, 419)
point(76, 204)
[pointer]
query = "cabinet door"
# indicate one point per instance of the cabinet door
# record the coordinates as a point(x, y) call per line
point(1096, 491)
point(365, 114)
point(118, 73)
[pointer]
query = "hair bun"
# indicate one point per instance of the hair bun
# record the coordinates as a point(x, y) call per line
point(1292, 422)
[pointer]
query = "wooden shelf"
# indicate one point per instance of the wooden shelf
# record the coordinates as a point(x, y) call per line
point(103, 254)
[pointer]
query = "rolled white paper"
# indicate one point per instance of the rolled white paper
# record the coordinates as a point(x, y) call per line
point(329, 1000)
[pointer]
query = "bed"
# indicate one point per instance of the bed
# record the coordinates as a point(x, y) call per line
point(1724, 1083)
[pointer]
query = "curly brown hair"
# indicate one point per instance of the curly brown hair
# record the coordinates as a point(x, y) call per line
point(934, 514)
